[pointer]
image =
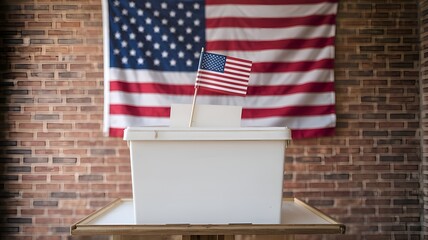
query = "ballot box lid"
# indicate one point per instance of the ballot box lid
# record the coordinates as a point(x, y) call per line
point(205, 133)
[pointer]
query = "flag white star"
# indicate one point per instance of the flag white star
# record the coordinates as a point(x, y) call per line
point(189, 62)
point(148, 53)
point(164, 54)
point(180, 5)
point(189, 46)
point(148, 5)
point(116, 51)
point(172, 14)
point(148, 21)
point(117, 35)
point(172, 29)
point(196, 6)
point(132, 36)
point(181, 54)
point(124, 27)
point(189, 14)
point(196, 54)
point(140, 44)
point(116, 19)
point(132, 20)
point(164, 37)
point(156, 46)
point(156, 29)
point(149, 37)
point(124, 44)
point(156, 13)
point(164, 5)
point(196, 38)
point(131, 4)
point(188, 30)
point(172, 45)
point(140, 61)
point(172, 62)
point(141, 29)
point(124, 60)
point(124, 12)
point(156, 62)
point(197, 22)
point(132, 52)
point(116, 3)
point(180, 22)
point(180, 38)
point(164, 21)
point(140, 12)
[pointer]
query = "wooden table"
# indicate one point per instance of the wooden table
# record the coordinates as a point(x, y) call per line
point(117, 219)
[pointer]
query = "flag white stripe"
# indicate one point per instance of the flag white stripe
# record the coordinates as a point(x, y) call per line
point(162, 100)
point(259, 79)
point(262, 11)
point(322, 121)
point(301, 122)
point(123, 121)
point(272, 79)
point(269, 34)
point(289, 55)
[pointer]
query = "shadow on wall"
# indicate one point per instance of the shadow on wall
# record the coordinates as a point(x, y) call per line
point(10, 152)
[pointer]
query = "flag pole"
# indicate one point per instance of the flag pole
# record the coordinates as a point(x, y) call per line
point(196, 90)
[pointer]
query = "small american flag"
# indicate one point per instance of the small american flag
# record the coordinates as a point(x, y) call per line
point(223, 74)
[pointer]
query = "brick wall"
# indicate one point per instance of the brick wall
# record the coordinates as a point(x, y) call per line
point(424, 110)
point(368, 176)
point(57, 167)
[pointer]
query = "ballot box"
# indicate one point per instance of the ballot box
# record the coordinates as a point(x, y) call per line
point(207, 175)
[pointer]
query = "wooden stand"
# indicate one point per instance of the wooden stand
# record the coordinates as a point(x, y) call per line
point(117, 220)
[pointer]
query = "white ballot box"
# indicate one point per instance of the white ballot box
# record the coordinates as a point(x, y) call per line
point(207, 175)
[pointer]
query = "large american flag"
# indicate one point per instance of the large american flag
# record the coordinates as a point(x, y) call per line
point(152, 49)
point(223, 74)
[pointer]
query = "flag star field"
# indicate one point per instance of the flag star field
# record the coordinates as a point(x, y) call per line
point(174, 34)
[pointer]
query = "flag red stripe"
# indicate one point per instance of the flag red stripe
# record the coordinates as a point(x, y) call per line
point(116, 132)
point(129, 87)
point(252, 113)
point(267, 2)
point(269, 45)
point(263, 90)
point(293, 66)
point(217, 83)
point(139, 111)
point(239, 22)
point(294, 111)
point(315, 87)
